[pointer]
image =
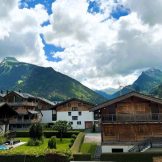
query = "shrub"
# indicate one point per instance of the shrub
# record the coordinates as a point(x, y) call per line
point(52, 143)
point(78, 143)
point(54, 155)
point(71, 144)
point(2, 139)
point(73, 136)
point(82, 157)
point(72, 140)
point(34, 142)
point(48, 134)
point(36, 131)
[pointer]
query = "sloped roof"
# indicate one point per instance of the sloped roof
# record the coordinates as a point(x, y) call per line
point(23, 95)
point(123, 97)
point(72, 99)
point(47, 101)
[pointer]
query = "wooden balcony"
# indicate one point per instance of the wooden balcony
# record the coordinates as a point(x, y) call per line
point(121, 118)
point(15, 121)
point(24, 103)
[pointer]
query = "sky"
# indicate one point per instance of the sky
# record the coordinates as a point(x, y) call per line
point(101, 43)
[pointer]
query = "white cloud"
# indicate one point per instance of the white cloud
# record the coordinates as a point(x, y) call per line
point(103, 50)
point(20, 30)
point(148, 11)
point(98, 53)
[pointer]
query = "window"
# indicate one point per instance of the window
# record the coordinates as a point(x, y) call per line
point(74, 118)
point(54, 117)
point(71, 123)
point(74, 109)
point(78, 122)
point(80, 113)
point(69, 113)
point(69, 105)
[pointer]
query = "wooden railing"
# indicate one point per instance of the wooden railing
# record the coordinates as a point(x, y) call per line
point(145, 117)
point(23, 103)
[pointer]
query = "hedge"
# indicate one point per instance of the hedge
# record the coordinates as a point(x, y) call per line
point(78, 143)
point(129, 157)
point(82, 157)
point(21, 158)
point(48, 134)
point(27, 158)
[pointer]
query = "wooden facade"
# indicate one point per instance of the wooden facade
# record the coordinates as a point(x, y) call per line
point(74, 105)
point(131, 118)
point(23, 104)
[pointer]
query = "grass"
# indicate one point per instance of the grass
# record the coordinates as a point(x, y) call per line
point(88, 148)
point(78, 143)
point(36, 150)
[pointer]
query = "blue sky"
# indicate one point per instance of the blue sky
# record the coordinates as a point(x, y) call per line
point(94, 7)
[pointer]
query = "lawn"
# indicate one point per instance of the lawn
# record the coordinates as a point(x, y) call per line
point(37, 150)
point(88, 148)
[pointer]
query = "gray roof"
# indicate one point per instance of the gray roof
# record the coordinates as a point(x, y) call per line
point(24, 95)
point(47, 101)
point(123, 97)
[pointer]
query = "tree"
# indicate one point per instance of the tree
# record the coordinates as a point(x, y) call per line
point(62, 127)
point(36, 131)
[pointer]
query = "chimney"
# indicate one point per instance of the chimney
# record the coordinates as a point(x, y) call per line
point(1, 91)
point(19, 90)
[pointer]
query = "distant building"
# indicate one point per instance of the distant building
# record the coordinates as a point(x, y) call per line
point(128, 120)
point(75, 111)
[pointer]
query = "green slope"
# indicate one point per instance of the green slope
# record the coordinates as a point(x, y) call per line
point(42, 81)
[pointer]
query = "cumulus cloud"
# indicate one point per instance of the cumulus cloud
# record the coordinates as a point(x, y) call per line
point(148, 11)
point(99, 50)
point(20, 30)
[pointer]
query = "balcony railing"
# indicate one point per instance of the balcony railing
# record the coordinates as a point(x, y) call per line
point(24, 103)
point(15, 121)
point(149, 117)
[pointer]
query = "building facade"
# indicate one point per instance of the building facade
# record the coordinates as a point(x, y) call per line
point(128, 120)
point(26, 107)
point(75, 111)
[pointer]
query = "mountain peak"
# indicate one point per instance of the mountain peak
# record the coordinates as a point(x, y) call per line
point(153, 72)
point(9, 59)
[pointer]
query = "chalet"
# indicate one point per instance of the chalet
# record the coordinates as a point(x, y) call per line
point(26, 107)
point(75, 111)
point(6, 113)
point(46, 109)
point(128, 120)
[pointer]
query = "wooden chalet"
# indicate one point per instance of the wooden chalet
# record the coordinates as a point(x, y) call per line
point(44, 104)
point(75, 111)
point(6, 114)
point(26, 107)
point(130, 118)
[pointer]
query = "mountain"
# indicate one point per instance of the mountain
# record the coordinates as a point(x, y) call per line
point(107, 93)
point(148, 83)
point(104, 94)
point(42, 81)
